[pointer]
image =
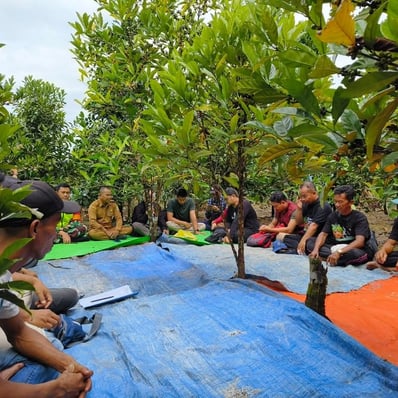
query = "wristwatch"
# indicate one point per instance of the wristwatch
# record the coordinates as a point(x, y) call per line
point(340, 251)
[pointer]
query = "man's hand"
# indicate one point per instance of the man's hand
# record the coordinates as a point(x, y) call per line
point(301, 247)
point(83, 378)
point(299, 204)
point(43, 293)
point(333, 258)
point(45, 319)
point(28, 272)
point(381, 256)
point(65, 237)
point(7, 373)
point(314, 254)
point(70, 385)
point(113, 233)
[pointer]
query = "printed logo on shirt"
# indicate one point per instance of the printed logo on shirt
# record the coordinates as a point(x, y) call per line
point(340, 233)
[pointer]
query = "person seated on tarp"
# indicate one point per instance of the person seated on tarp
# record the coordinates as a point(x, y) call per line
point(346, 237)
point(105, 219)
point(181, 214)
point(283, 221)
point(140, 218)
point(70, 227)
point(215, 205)
point(386, 257)
point(7, 180)
point(45, 303)
point(229, 218)
point(311, 214)
point(30, 365)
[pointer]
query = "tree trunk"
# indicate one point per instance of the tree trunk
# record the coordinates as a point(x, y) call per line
point(316, 292)
point(241, 239)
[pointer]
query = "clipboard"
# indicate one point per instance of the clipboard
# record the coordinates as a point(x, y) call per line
point(108, 296)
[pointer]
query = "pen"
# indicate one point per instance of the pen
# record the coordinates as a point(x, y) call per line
point(102, 298)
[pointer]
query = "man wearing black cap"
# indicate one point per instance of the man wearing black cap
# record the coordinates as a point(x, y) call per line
point(45, 303)
point(15, 370)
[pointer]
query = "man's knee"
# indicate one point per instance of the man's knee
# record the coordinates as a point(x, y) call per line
point(126, 230)
point(97, 235)
point(280, 236)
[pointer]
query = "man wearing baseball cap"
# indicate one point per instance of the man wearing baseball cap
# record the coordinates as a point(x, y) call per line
point(45, 303)
point(19, 376)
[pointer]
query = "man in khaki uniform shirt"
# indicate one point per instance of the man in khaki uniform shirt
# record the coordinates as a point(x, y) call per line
point(105, 220)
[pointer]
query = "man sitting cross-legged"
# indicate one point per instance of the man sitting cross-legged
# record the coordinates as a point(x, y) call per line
point(386, 257)
point(345, 237)
point(311, 214)
point(105, 219)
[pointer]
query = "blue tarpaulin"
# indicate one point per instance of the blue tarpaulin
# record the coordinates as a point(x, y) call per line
point(194, 332)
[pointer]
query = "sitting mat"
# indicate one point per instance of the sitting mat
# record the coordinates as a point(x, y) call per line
point(186, 335)
point(198, 239)
point(62, 250)
point(289, 269)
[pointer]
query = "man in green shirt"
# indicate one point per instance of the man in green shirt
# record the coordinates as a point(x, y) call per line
point(181, 213)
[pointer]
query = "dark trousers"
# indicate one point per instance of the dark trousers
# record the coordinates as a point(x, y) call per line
point(63, 299)
point(292, 240)
point(353, 257)
point(392, 260)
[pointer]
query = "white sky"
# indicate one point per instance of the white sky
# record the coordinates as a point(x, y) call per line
point(37, 39)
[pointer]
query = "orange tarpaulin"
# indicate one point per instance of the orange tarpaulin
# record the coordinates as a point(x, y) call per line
point(369, 315)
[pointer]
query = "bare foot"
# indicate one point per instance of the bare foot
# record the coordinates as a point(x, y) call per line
point(371, 265)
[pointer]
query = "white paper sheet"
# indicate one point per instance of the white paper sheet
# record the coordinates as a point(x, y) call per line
point(107, 297)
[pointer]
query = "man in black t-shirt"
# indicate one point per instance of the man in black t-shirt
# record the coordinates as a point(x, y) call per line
point(345, 236)
point(386, 258)
point(309, 213)
point(229, 218)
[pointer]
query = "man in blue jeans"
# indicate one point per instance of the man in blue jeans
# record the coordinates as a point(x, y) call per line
point(48, 371)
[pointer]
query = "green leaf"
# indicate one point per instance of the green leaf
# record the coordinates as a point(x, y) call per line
point(351, 122)
point(376, 125)
point(372, 30)
point(233, 180)
point(276, 151)
point(297, 58)
point(233, 125)
point(255, 125)
point(303, 94)
point(269, 26)
point(371, 82)
point(183, 132)
point(323, 67)
point(339, 104)
point(389, 26)
point(390, 159)
point(15, 246)
point(9, 296)
point(306, 133)
point(307, 129)
point(157, 88)
point(19, 286)
point(283, 126)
